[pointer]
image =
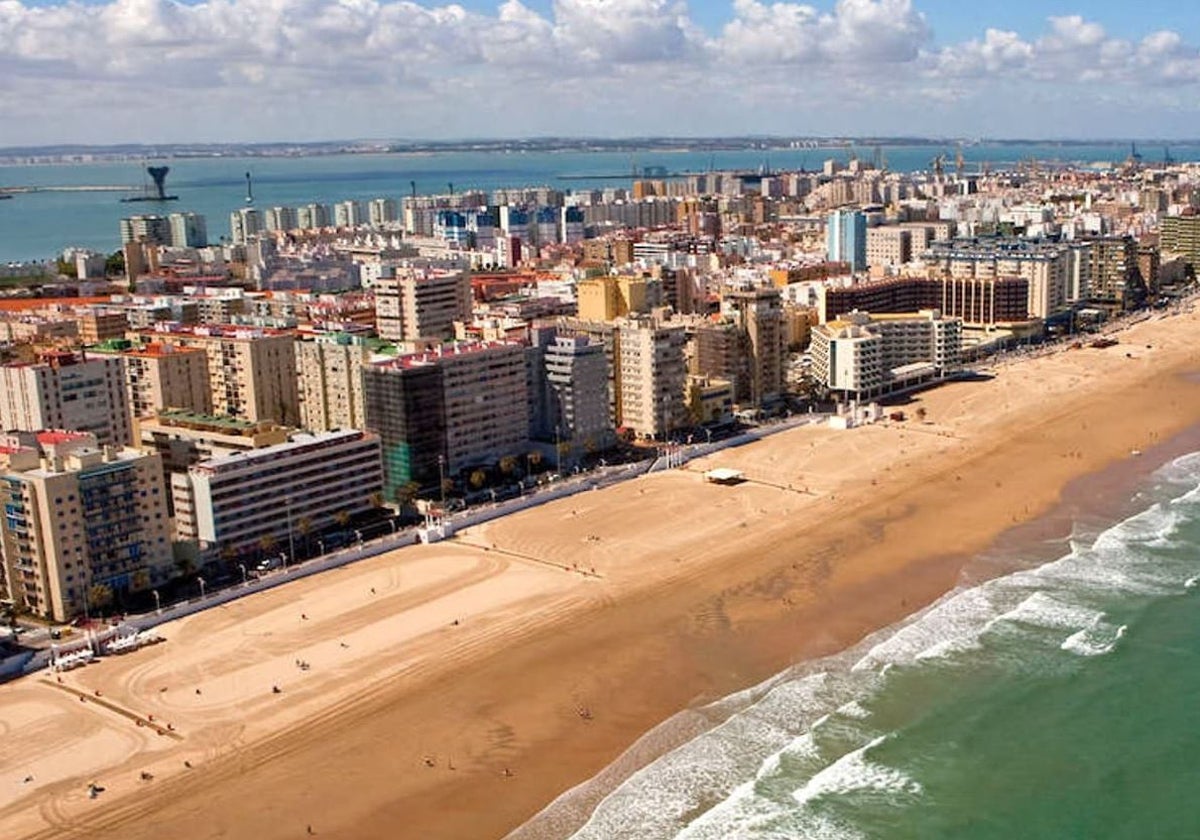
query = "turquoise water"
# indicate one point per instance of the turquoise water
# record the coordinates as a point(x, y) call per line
point(40, 225)
point(1059, 701)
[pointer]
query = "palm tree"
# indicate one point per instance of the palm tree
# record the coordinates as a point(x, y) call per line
point(342, 518)
point(478, 477)
point(507, 464)
point(304, 525)
point(267, 543)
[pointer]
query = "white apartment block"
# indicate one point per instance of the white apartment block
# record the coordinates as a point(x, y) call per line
point(249, 500)
point(864, 356)
point(66, 390)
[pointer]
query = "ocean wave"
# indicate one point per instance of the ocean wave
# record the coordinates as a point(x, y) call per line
point(854, 773)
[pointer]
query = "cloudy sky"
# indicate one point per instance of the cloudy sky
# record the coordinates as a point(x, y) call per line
point(106, 71)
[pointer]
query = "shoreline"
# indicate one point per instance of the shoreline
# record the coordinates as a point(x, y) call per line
point(890, 519)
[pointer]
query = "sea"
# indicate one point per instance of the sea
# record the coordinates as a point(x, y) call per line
point(40, 225)
point(1058, 700)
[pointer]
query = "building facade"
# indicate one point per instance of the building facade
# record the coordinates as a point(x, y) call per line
point(330, 375)
point(416, 304)
point(65, 390)
point(83, 526)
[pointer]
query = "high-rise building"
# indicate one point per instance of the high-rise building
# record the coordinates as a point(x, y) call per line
point(759, 313)
point(161, 376)
point(188, 230)
point(652, 382)
point(330, 371)
point(846, 238)
point(444, 412)
point(65, 390)
point(245, 223)
point(381, 212)
point(84, 525)
point(265, 500)
point(153, 230)
point(349, 214)
point(312, 216)
point(1046, 266)
point(281, 218)
point(1181, 235)
point(605, 298)
point(418, 304)
point(577, 381)
point(251, 371)
point(572, 225)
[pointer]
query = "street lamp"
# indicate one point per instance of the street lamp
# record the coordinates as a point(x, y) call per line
point(157, 602)
point(358, 536)
point(442, 480)
point(242, 566)
point(321, 545)
point(200, 581)
point(291, 541)
point(392, 522)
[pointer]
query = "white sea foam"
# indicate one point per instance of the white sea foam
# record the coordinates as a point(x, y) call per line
point(1094, 641)
point(855, 773)
point(1043, 610)
point(854, 710)
point(1191, 582)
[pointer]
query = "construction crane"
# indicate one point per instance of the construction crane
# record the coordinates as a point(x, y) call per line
point(413, 186)
point(958, 161)
point(939, 166)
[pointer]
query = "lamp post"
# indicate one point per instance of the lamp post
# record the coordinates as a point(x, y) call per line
point(442, 480)
point(321, 545)
point(392, 522)
point(358, 536)
point(245, 581)
point(200, 581)
point(291, 540)
point(157, 602)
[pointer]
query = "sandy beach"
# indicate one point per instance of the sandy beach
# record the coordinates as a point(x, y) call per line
point(451, 691)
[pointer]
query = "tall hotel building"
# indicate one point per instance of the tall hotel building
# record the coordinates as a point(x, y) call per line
point(420, 304)
point(446, 411)
point(79, 517)
point(260, 497)
point(251, 371)
point(577, 381)
point(66, 390)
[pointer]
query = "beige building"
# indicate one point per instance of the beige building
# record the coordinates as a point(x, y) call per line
point(1047, 266)
point(83, 526)
point(420, 304)
point(608, 297)
point(331, 383)
point(251, 371)
point(759, 313)
point(97, 325)
point(651, 378)
point(888, 246)
point(67, 390)
point(161, 376)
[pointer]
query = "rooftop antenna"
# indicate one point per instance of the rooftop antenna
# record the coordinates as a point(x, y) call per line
point(413, 186)
point(451, 186)
point(249, 189)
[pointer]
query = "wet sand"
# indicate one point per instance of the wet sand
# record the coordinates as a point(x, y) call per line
point(419, 727)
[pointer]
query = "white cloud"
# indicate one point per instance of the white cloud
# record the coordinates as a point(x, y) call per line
point(603, 66)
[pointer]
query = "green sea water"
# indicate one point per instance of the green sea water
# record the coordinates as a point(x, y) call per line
point(1058, 701)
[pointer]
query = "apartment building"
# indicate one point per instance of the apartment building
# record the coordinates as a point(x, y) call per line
point(329, 370)
point(83, 525)
point(652, 378)
point(263, 500)
point(889, 246)
point(759, 313)
point(251, 371)
point(446, 411)
point(1046, 266)
point(863, 356)
point(160, 376)
point(606, 298)
point(420, 304)
point(979, 301)
point(1181, 235)
point(67, 390)
point(577, 381)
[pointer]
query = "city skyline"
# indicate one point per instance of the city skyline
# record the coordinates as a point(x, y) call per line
point(264, 70)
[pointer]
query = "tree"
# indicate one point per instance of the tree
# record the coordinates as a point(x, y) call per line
point(267, 543)
point(507, 464)
point(478, 477)
point(406, 494)
point(533, 459)
point(99, 596)
point(114, 264)
point(304, 525)
point(342, 518)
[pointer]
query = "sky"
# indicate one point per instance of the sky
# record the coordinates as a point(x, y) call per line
point(159, 71)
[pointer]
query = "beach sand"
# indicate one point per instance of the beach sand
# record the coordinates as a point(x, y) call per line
point(406, 724)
